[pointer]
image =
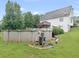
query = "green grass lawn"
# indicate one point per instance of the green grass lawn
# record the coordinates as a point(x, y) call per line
point(68, 46)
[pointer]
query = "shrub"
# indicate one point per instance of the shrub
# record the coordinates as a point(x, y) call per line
point(57, 30)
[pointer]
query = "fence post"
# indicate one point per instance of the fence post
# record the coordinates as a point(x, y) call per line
point(19, 36)
point(8, 36)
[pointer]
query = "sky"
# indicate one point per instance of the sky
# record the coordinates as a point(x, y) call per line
point(41, 6)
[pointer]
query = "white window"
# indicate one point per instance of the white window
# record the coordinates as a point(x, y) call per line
point(71, 19)
point(61, 19)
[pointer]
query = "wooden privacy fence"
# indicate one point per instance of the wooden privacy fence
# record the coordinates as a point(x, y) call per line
point(25, 36)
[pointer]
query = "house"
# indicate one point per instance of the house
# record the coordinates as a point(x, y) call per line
point(76, 20)
point(61, 18)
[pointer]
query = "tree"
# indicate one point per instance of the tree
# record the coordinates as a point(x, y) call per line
point(18, 22)
point(36, 20)
point(7, 19)
point(15, 20)
point(12, 19)
point(30, 20)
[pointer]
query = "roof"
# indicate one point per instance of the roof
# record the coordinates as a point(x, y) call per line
point(45, 23)
point(58, 13)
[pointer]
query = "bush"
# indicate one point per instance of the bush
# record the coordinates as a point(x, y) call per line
point(57, 30)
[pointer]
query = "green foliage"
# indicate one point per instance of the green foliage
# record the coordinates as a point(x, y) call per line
point(36, 20)
point(15, 20)
point(57, 30)
point(12, 19)
point(30, 20)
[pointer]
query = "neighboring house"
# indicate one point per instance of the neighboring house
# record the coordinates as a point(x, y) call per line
point(0, 25)
point(61, 18)
point(76, 20)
